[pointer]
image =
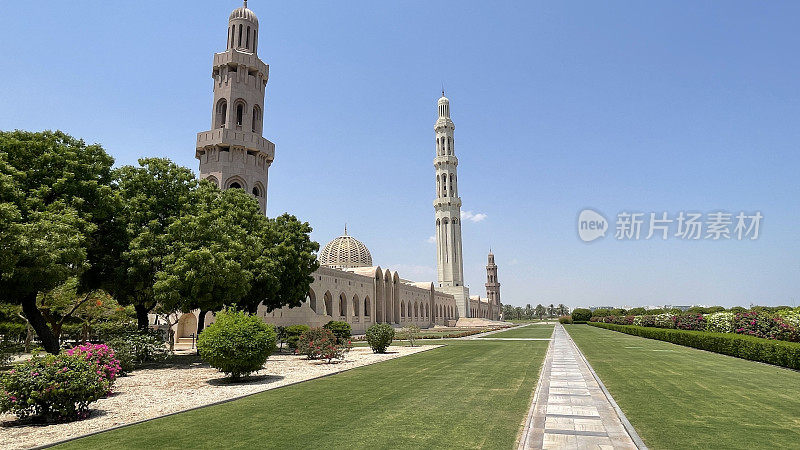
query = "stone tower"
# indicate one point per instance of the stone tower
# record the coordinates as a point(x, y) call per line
point(448, 211)
point(233, 154)
point(493, 289)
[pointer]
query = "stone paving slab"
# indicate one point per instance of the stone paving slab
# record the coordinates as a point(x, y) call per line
point(571, 409)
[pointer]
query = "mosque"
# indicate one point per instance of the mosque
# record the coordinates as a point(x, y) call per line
point(347, 286)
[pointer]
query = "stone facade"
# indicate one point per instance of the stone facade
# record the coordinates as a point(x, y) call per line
point(233, 153)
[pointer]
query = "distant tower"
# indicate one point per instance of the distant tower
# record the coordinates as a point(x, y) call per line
point(448, 211)
point(493, 289)
point(233, 154)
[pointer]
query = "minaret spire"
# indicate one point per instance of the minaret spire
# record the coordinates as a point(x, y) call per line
point(447, 205)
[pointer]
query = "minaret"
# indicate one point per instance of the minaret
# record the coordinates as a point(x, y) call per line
point(233, 154)
point(493, 289)
point(448, 211)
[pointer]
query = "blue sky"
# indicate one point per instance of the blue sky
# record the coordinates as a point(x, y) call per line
point(558, 106)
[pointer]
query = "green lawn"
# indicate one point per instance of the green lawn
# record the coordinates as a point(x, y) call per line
point(468, 394)
point(529, 331)
point(680, 397)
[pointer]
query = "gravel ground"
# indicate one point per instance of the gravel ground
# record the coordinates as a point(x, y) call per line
point(149, 393)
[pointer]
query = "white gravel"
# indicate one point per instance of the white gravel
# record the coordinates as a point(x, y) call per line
point(150, 393)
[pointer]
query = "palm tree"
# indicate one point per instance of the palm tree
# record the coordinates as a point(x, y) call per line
point(562, 309)
point(540, 311)
point(551, 310)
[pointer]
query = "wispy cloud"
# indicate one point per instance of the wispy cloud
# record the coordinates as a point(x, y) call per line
point(431, 239)
point(469, 215)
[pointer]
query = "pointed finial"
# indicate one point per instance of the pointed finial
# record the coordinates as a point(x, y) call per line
point(442, 89)
point(345, 229)
point(245, 3)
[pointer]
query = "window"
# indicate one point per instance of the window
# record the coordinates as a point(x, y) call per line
point(239, 114)
point(235, 185)
point(248, 38)
point(240, 37)
point(222, 113)
point(256, 119)
point(256, 192)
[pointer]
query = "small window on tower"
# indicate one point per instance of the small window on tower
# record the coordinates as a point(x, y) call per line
point(239, 114)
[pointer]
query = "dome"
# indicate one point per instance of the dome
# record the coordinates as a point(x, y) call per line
point(345, 252)
point(244, 13)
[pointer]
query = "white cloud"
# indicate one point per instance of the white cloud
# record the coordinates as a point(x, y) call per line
point(431, 239)
point(468, 215)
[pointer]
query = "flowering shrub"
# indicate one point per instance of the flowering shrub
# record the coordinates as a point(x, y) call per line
point(690, 322)
point(293, 333)
point(55, 388)
point(321, 343)
point(565, 319)
point(665, 320)
point(791, 317)
point(720, 322)
point(380, 336)
point(237, 343)
point(762, 325)
point(645, 321)
point(103, 357)
point(341, 330)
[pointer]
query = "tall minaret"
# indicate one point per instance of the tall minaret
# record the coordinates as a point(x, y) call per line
point(448, 211)
point(233, 154)
point(493, 289)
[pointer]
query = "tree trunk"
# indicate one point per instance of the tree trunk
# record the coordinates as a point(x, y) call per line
point(201, 321)
point(28, 336)
point(35, 318)
point(141, 317)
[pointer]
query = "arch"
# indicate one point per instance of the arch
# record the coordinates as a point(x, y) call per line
point(213, 179)
point(328, 303)
point(235, 182)
point(311, 298)
point(255, 40)
point(247, 43)
point(416, 310)
point(258, 189)
point(239, 114)
point(402, 310)
point(438, 187)
point(366, 306)
point(187, 326)
point(452, 191)
point(342, 305)
point(427, 312)
point(356, 309)
point(256, 126)
point(221, 113)
point(240, 36)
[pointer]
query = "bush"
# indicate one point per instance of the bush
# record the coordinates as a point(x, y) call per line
point(779, 353)
point(103, 357)
point(665, 320)
point(380, 336)
point(565, 319)
point(321, 343)
point(55, 388)
point(581, 314)
point(237, 343)
point(764, 325)
point(137, 348)
point(720, 322)
point(8, 349)
point(341, 330)
point(602, 312)
point(411, 333)
point(690, 322)
point(293, 333)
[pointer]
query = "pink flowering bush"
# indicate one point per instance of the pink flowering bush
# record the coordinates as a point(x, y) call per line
point(108, 366)
point(55, 388)
point(759, 324)
point(321, 343)
point(694, 322)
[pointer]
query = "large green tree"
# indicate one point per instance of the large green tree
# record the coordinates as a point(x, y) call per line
point(152, 197)
point(57, 207)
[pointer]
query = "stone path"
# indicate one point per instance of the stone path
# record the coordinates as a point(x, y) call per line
point(571, 408)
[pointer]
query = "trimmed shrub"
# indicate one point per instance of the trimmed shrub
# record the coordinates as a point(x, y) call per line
point(341, 330)
point(137, 348)
point(581, 314)
point(380, 336)
point(779, 353)
point(237, 343)
point(293, 333)
point(55, 388)
point(565, 320)
point(103, 357)
point(321, 343)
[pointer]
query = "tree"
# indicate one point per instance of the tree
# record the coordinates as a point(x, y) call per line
point(65, 303)
point(562, 309)
point(518, 312)
point(540, 311)
point(152, 197)
point(528, 312)
point(56, 205)
point(551, 310)
point(637, 311)
point(508, 312)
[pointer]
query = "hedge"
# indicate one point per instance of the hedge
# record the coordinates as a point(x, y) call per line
point(779, 353)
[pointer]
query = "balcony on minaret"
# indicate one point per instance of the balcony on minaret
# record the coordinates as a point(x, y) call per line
point(232, 138)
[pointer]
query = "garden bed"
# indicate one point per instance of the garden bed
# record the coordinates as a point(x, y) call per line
point(186, 384)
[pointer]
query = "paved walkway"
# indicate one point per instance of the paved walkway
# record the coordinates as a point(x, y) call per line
point(571, 409)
